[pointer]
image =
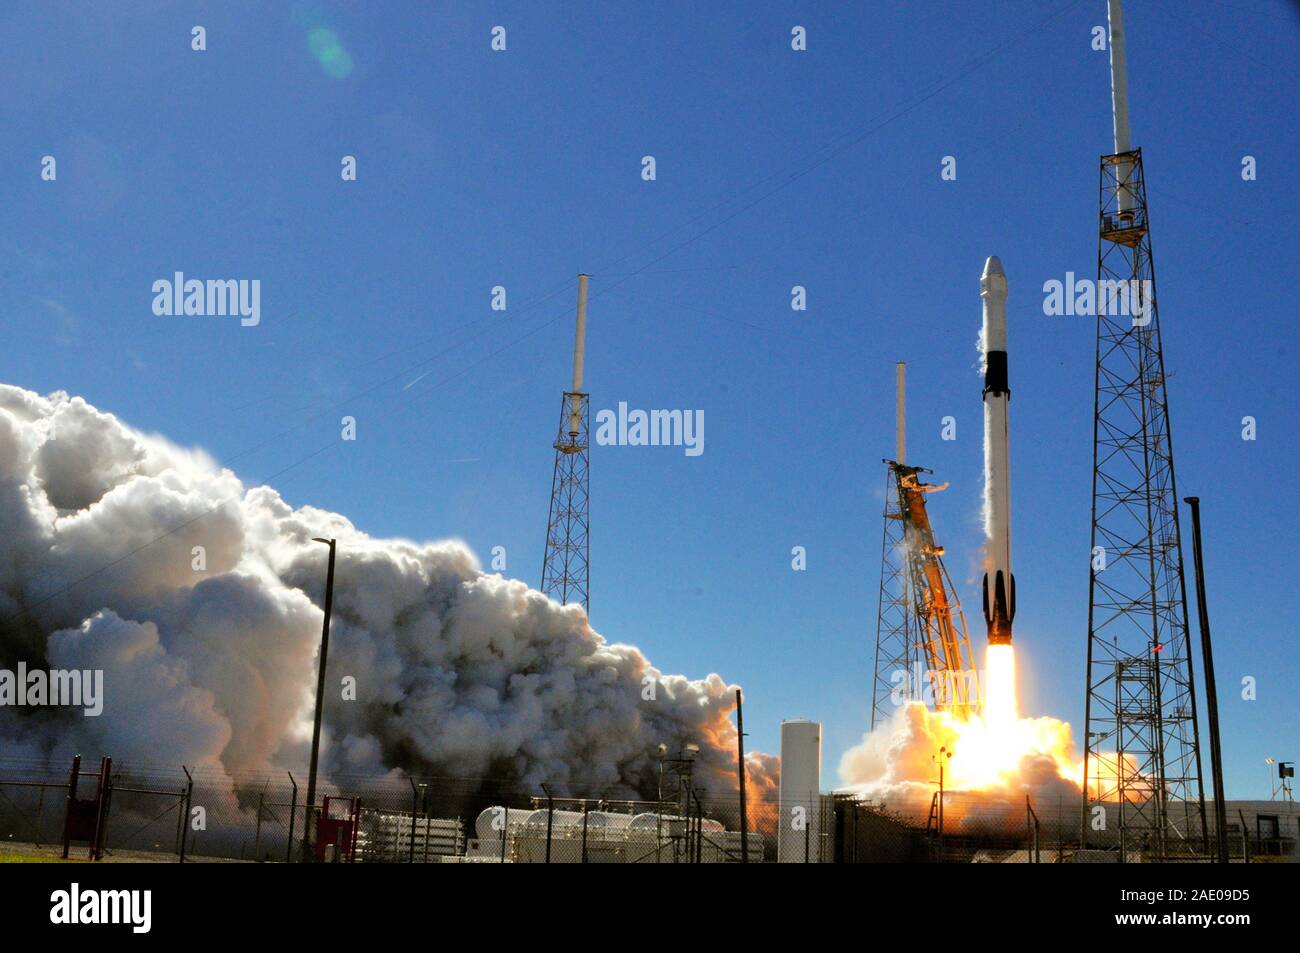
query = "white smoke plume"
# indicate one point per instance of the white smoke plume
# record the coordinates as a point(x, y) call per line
point(458, 673)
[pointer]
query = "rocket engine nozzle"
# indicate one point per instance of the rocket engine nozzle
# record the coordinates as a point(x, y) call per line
point(999, 607)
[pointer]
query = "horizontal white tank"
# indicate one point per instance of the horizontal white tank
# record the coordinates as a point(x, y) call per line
point(608, 820)
point(488, 827)
point(559, 819)
point(535, 819)
point(650, 822)
point(489, 823)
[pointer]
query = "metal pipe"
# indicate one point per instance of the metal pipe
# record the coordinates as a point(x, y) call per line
point(320, 701)
point(1211, 691)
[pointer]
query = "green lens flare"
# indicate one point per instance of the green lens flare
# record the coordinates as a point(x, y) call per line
point(325, 46)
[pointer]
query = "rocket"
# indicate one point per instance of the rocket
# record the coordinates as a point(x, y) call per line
point(999, 584)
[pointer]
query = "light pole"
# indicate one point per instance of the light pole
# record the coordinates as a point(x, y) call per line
point(320, 701)
point(740, 769)
point(1211, 693)
point(939, 758)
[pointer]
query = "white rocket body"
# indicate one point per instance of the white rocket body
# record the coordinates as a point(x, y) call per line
point(999, 583)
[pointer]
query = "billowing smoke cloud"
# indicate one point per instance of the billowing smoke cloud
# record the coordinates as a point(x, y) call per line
point(199, 599)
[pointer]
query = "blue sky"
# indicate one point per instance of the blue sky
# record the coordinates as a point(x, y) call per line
point(775, 168)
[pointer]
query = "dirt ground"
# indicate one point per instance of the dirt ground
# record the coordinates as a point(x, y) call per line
point(15, 852)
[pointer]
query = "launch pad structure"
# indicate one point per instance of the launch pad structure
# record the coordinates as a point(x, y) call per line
point(1142, 761)
point(566, 564)
point(919, 620)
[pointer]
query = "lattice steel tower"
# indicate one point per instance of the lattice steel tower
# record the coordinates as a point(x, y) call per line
point(895, 641)
point(565, 567)
point(1142, 751)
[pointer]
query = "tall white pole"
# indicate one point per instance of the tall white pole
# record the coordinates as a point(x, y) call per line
point(902, 414)
point(579, 349)
point(1119, 96)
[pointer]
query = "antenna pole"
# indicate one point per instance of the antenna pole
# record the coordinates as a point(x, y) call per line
point(1119, 100)
point(579, 350)
point(902, 414)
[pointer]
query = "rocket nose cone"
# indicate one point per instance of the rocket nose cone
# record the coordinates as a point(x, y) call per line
point(993, 283)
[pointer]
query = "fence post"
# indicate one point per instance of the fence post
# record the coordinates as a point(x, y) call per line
point(40, 815)
point(180, 822)
point(415, 794)
point(424, 816)
point(941, 851)
point(103, 796)
point(807, 841)
point(505, 823)
point(72, 797)
point(293, 811)
point(584, 831)
point(185, 819)
point(257, 836)
point(699, 828)
point(550, 813)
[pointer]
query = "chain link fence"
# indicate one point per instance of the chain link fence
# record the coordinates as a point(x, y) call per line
point(162, 813)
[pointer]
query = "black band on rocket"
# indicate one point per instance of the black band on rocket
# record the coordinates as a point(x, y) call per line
point(995, 373)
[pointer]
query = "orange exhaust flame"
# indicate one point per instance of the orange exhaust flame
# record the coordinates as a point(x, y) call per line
point(997, 751)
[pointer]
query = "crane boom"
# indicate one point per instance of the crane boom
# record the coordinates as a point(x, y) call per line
point(941, 624)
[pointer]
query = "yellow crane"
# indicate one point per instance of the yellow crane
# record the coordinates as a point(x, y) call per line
point(941, 631)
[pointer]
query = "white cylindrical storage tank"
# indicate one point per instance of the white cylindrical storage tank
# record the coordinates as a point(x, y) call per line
point(799, 829)
point(537, 820)
point(608, 820)
point(493, 820)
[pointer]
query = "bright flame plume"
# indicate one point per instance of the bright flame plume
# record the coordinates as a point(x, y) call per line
point(998, 751)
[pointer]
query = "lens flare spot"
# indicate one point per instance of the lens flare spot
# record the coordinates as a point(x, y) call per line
point(325, 46)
